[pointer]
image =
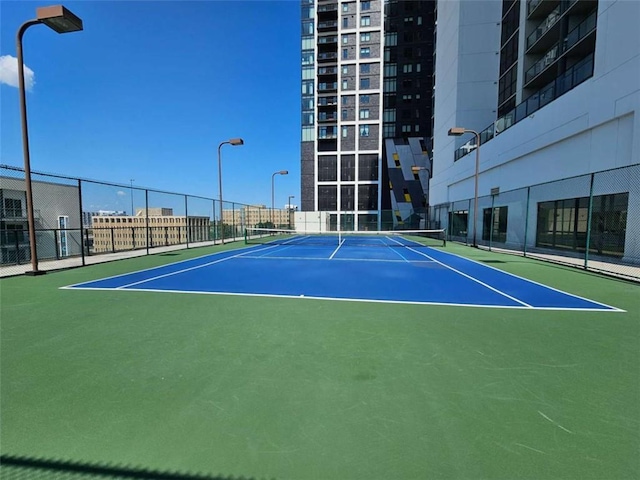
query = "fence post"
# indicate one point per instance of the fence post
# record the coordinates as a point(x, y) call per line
point(113, 245)
point(86, 233)
point(526, 222)
point(589, 214)
point(186, 218)
point(81, 222)
point(146, 203)
point(493, 198)
point(469, 221)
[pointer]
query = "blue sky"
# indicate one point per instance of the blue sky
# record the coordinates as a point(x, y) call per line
point(150, 88)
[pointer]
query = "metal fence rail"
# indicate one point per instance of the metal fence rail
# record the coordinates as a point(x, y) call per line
point(591, 221)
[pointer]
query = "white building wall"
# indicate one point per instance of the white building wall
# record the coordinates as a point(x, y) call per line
point(467, 65)
point(594, 127)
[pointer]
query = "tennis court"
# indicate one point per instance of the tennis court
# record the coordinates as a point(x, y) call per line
point(207, 364)
point(378, 267)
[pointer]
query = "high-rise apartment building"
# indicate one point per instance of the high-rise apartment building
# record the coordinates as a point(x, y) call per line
point(366, 111)
point(552, 87)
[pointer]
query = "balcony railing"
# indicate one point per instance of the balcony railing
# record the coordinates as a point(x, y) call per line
point(331, 39)
point(573, 77)
point(332, 24)
point(328, 87)
point(544, 26)
point(538, 67)
point(326, 57)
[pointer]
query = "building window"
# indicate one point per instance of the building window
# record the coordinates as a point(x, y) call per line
point(345, 84)
point(365, 21)
point(365, 68)
point(407, 68)
point(364, 99)
point(364, 130)
point(365, 37)
point(365, 82)
point(367, 167)
point(391, 39)
point(365, 52)
point(345, 114)
point(345, 53)
point(344, 99)
point(364, 113)
point(327, 168)
point(494, 227)
point(345, 69)
point(345, 132)
point(327, 197)
point(562, 224)
point(367, 197)
point(345, 22)
point(348, 168)
point(345, 7)
point(365, 5)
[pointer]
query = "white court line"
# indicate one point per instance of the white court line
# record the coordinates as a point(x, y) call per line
point(336, 250)
point(185, 270)
point(361, 300)
point(473, 279)
point(533, 281)
point(397, 251)
point(342, 259)
point(159, 266)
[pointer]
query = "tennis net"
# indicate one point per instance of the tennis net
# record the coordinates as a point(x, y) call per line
point(388, 238)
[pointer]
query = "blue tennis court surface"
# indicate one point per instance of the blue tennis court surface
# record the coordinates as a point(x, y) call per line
point(406, 274)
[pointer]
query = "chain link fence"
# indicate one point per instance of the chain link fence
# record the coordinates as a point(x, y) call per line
point(79, 222)
point(591, 221)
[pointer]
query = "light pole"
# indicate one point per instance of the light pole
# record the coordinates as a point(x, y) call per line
point(456, 132)
point(281, 172)
point(60, 20)
point(234, 142)
point(289, 208)
point(131, 183)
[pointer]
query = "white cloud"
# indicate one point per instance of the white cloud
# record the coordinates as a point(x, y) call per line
point(120, 193)
point(9, 72)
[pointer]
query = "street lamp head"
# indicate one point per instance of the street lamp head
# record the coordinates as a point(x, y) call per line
point(59, 19)
point(456, 131)
point(236, 141)
point(283, 172)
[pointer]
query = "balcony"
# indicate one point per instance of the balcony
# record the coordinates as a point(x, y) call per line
point(328, 40)
point(328, 117)
point(327, 87)
point(571, 45)
point(328, 25)
point(327, 57)
point(549, 29)
point(540, 8)
point(327, 71)
point(327, 101)
point(545, 26)
point(332, 7)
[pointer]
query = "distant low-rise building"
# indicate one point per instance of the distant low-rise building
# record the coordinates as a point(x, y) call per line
point(153, 227)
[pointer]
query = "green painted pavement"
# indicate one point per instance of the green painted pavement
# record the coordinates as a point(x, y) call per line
point(309, 389)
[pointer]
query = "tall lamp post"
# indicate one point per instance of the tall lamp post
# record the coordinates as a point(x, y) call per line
point(60, 20)
point(456, 132)
point(234, 142)
point(289, 208)
point(281, 172)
